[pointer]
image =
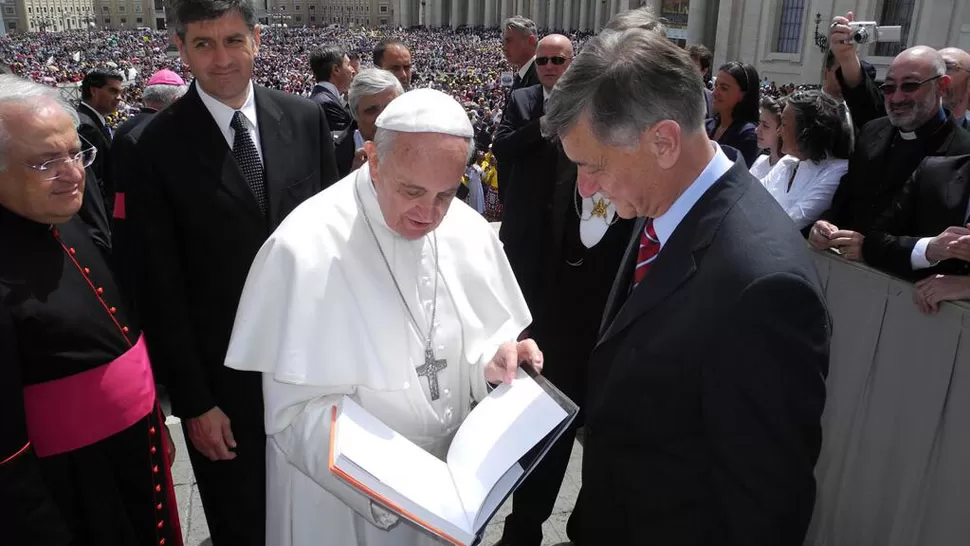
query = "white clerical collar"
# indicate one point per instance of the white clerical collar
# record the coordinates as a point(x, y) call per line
point(525, 67)
point(222, 114)
point(666, 223)
point(907, 135)
point(95, 110)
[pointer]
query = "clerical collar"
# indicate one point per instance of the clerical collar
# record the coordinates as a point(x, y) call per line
point(926, 129)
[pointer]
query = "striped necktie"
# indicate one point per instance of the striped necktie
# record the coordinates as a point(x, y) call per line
point(649, 248)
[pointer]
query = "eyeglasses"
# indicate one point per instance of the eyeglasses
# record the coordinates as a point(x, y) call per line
point(906, 87)
point(55, 168)
point(557, 60)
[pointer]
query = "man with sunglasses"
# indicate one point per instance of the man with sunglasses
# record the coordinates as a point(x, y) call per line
point(531, 215)
point(84, 456)
point(890, 148)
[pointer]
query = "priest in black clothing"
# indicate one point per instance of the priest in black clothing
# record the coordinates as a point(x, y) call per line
point(84, 458)
point(890, 148)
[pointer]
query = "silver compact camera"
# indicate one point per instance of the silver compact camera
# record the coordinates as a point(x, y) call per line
point(864, 32)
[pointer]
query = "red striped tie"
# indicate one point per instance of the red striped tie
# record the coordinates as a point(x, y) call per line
point(649, 248)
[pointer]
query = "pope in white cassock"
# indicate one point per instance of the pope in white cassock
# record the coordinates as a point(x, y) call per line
point(385, 288)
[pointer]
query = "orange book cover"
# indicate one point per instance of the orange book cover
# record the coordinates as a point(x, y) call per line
point(387, 503)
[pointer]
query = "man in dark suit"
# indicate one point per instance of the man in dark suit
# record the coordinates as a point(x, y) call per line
point(957, 98)
point(703, 58)
point(519, 42)
point(217, 172)
point(162, 89)
point(100, 96)
point(527, 160)
point(924, 233)
point(889, 150)
point(332, 70)
point(707, 385)
point(371, 91)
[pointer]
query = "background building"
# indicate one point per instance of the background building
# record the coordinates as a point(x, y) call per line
point(786, 39)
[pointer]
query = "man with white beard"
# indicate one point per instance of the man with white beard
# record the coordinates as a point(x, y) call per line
point(383, 289)
point(890, 148)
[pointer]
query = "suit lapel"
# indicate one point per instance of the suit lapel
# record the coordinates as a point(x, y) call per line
point(214, 155)
point(275, 136)
point(680, 256)
point(624, 278)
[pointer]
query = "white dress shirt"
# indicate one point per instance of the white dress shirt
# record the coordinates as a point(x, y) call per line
point(223, 115)
point(761, 167)
point(811, 190)
point(666, 223)
point(918, 259)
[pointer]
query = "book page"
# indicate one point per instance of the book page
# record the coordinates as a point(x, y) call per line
point(496, 434)
point(398, 463)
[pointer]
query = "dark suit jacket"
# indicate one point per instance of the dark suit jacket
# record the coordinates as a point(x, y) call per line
point(345, 149)
point(530, 79)
point(121, 170)
point(529, 162)
point(867, 190)
point(98, 135)
point(200, 227)
point(707, 386)
point(933, 199)
point(338, 116)
point(740, 136)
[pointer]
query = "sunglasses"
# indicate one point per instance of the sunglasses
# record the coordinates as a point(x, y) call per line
point(906, 87)
point(557, 60)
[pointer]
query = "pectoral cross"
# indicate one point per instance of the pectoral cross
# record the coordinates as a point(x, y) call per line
point(430, 369)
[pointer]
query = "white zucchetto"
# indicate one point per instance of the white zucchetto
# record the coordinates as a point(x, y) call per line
point(426, 111)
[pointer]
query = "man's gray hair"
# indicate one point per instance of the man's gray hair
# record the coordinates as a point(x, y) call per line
point(642, 17)
point(524, 25)
point(384, 141)
point(161, 96)
point(14, 89)
point(625, 82)
point(371, 81)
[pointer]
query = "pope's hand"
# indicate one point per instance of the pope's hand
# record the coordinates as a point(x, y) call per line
point(505, 364)
point(211, 434)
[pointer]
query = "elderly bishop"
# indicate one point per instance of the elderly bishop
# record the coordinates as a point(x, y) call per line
point(384, 288)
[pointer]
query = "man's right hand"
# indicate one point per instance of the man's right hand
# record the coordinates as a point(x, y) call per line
point(940, 249)
point(820, 235)
point(840, 42)
point(211, 434)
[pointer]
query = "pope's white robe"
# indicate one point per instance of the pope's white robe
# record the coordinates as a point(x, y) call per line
point(321, 318)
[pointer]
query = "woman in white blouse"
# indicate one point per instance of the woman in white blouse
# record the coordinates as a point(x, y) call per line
point(769, 136)
point(817, 141)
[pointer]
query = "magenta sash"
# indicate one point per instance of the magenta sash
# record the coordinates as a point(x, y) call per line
point(85, 408)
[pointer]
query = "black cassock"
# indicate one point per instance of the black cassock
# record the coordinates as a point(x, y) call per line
point(61, 320)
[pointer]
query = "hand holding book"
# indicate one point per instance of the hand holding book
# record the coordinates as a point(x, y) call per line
point(505, 364)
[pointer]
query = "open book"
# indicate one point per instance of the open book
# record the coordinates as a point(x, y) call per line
point(495, 448)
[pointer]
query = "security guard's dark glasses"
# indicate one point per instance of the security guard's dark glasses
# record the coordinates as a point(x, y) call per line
point(557, 60)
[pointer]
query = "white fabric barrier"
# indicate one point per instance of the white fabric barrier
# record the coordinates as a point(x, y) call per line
point(895, 463)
